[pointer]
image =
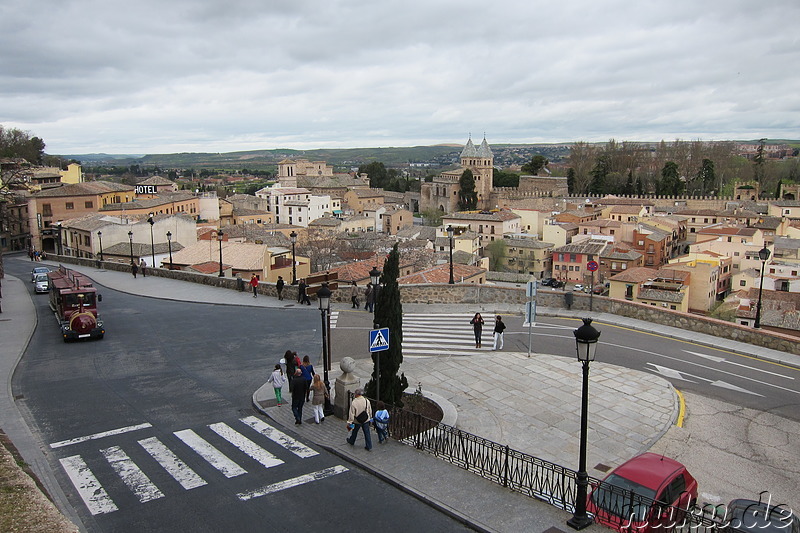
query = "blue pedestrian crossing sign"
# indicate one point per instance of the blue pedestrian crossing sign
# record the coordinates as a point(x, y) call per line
point(379, 340)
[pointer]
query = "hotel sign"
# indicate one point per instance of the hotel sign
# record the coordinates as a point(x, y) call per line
point(146, 189)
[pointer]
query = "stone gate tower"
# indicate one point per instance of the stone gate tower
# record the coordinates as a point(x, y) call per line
point(442, 192)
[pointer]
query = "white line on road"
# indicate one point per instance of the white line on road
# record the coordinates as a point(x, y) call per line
point(246, 445)
point(119, 431)
point(134, 478)
point(93, 495)
point(294, 482)
point(279, 437)
point(184, 475)
point(723, 360)
point(214, 457)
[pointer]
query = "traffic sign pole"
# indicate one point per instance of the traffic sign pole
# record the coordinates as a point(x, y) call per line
point(592, 266)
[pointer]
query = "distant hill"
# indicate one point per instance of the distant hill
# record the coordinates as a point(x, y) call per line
point(342, 159)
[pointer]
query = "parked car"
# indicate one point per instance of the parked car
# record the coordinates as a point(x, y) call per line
point(578, 287)
point(546, 282)
point(599, 289)
point(38, 270)
point(556, 284)
point(748, 516)
point(42, 283)
point(644, 494)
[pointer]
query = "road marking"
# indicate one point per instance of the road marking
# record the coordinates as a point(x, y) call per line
point(290, 483)
point(670, 373)
point(214, 457)
point(726, 385)
point(279, 437)
point(100, 435)
point(675, 374)
point(184, 475)
point(681, 409)
point(131, 474)
point(89, 489)
point(246, 445)
point(722, 359)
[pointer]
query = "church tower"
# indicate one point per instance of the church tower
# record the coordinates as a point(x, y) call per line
point(480, 161)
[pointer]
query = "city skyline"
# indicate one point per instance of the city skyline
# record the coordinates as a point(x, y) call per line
point(150, 78)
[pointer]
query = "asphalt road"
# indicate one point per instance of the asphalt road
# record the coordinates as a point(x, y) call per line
point(711, 372)
point(151, 428)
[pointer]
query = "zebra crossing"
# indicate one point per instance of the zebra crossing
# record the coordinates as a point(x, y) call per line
point(427, 335)
point(237, 440)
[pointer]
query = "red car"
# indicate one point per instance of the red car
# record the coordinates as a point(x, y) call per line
point(645, 494)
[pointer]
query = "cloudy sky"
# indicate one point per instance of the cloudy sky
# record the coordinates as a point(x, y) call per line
point(210, 75)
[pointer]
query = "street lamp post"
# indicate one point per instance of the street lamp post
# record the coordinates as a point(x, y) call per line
point(450, 238)
point(152, 245)
point(169, 244)
point(293, 238)
point(586, 345)
point(219, 238)
point(763, 254)
point(100, 237)
point(375, 278)
point(130, 238)
point(324, 297)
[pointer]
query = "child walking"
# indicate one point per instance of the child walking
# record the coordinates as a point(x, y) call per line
point(277, 380)
point(381, 420)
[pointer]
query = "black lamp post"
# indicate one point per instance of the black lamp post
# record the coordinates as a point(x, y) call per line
point(152, 245)
point(219, 238)
point(130, 238)
point(763, 254)
point(324, 297)
point(586, 345)
point(169, 244)
point(293, 238)
point(450, 238)
point(100, 237)
point(375, 278)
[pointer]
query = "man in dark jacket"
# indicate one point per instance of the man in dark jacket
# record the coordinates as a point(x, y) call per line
point(279, 287)
point(499, 327)
point(298, 396)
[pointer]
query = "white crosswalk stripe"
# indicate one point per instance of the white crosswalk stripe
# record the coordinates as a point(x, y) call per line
point(98, 501)
point(334, 318)
point(131, 474)
point(428, 335)
point(184, 475)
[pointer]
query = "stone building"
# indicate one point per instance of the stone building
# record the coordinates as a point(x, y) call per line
point(442, 192)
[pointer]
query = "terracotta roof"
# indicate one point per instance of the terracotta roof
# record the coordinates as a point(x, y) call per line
point(156, 180)
point(147, 203)
point(590, 246)
point(499, 216)
point(635, 275)
point(241, 256)
point(441, 274)
point(89, 188)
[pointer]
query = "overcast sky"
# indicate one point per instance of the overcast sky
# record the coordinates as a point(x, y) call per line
point(166, 76)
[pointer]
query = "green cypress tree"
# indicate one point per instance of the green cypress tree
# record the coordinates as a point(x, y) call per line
point(389, 314)
point(467, 198)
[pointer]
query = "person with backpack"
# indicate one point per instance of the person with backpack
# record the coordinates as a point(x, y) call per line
point(358, 418)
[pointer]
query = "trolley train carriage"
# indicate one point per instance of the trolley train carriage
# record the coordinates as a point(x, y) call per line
point(74, 300)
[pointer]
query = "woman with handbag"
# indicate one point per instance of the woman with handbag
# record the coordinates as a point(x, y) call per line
point(320, 393)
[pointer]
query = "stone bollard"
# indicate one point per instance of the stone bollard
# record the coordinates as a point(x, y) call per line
point(345, 384)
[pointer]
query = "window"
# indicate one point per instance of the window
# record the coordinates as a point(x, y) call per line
point(88, 205)
point(673, 307)
point(742, 283)
point(70, 205)
point(47, 211)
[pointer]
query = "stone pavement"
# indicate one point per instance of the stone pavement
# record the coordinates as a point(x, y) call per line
point(642, 408)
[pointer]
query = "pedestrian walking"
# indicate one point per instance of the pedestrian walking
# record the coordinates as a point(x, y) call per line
point(292, 362)
point(354, 295)
point(239, 282)
point(477, 328)
point(298, 397)
point(277, 380)
point(317, 402)
point(254, 285)
point(134, 268)
point(499, 327)
point(143, 267)
point(308, 374)
point(381, 422)
point(302, 295)
point(359, 418)
point(279, 287)
point(369, 297)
